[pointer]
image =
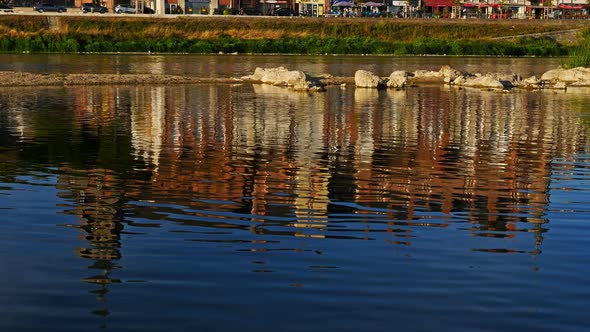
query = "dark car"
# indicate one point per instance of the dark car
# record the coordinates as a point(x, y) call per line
point(284, 11)
point(93, 8)
point(148, 10)
point(251, 12)
point(6, 8)
point(49, 7)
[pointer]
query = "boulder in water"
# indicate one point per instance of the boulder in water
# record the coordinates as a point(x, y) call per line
point(366, 79)
point(398, 79)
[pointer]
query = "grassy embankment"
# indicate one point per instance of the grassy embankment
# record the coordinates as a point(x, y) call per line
point(69, 34)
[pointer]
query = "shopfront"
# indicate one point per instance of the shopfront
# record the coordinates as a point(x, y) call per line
point(270, 6)
point(311, 7)
point(398, 8)
point(197, 6)
point(439, 8)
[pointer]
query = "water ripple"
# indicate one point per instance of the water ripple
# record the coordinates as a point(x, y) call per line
point(201, 198)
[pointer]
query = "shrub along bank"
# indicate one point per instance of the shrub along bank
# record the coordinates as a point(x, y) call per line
point(69, 34)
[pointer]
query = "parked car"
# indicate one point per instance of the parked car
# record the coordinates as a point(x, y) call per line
point(93, 8)
point(251, 11)
point(49, 7)
point(148, 10)
point(284, 11)
point(125, 9)
point(6, 8)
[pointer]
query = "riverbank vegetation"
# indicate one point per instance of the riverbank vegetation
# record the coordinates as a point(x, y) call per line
point(580, 55)
point(70, 34)
point(301, 45)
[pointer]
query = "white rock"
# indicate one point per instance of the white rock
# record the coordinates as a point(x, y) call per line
point(427, 73)
point(580, 83)
point(366, 79)
point(449, 73)
point(258, 73)
point(459, 80)
point(530, 83)
point(398, 79)
point(426, 76)
point(532, 80)
point(506, 79)
point(281, 76)
point(567, 75)
point(486, 81)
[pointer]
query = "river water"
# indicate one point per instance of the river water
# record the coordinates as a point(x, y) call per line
point(253, 208)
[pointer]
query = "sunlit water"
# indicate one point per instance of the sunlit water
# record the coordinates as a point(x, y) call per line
point(252, 208)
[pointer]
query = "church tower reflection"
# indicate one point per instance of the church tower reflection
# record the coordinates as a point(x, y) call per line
point(95, 199)
point(95, 194)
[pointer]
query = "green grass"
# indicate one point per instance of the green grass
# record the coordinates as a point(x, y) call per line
point(75, 43)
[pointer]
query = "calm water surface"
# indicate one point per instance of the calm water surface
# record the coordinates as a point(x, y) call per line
point(252, 208)
point(239, 65)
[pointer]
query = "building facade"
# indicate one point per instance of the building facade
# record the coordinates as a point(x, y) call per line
point(492, 9)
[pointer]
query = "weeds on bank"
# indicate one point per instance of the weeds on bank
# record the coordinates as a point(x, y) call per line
point(580, 56)
point(75, 43)
point(248, 28)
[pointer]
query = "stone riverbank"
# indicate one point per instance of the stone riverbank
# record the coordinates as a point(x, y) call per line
point(300, 81)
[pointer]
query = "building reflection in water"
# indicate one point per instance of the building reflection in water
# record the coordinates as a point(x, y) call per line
point(427, 157)
point(265, 151)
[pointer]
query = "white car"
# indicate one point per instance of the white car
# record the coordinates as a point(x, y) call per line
point(125, 9)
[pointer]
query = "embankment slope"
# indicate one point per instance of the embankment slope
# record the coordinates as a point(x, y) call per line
point(230, 34)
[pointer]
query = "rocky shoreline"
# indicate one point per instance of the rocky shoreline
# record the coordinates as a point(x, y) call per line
point(299, 81)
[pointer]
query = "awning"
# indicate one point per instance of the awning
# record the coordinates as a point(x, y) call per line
point(371, 4)
point(439, 3)
point(562, 6)
point(481, 5)
point(343, 4)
